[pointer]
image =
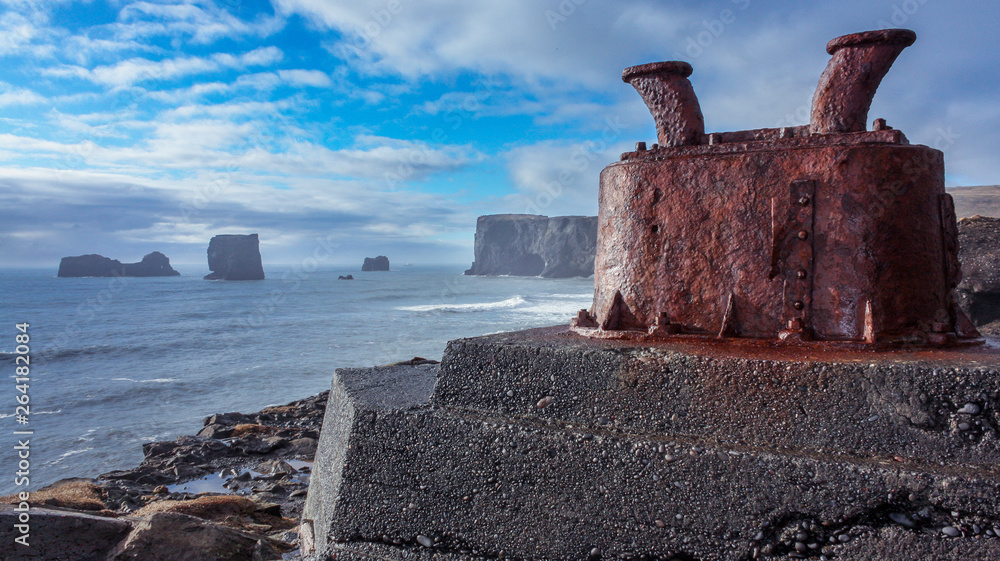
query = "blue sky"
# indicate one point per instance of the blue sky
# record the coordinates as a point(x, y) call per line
point(388, 126)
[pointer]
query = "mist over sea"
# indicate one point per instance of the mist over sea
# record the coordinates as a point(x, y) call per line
point(116, 363)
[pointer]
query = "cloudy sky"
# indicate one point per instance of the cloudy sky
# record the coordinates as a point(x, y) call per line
point(388, 126)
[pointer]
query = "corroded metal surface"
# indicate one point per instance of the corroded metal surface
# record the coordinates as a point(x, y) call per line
point(820, 233)
point(848, 84)
point(665, 88)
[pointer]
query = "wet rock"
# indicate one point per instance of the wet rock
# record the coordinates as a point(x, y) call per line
point(171, 536)
point(303, 448)
point(60, 535)
point(425, 541)
point(227, 419)
point(276, 467)
point(216, 431)
point(970, 409)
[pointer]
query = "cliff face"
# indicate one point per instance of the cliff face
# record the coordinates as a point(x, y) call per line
point(154, 264)
point(979, 252)
point(380, 263)
point(234, 257)
point(531, 245)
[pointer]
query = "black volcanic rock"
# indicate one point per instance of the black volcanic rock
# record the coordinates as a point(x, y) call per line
point(380, 263)
point(154, 264)
point(92, 265)
point(979, 252)
point(532, 245)
point(348, 277)
point(234, 257)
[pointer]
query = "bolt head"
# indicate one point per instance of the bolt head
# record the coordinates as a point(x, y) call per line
point(801, 274)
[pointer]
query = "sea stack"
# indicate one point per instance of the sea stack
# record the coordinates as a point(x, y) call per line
point(234, 257)
point(530, 245)
point(380, 263)
point(154, 264)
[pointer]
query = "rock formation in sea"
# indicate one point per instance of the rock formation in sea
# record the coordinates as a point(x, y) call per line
point(380, 263)
point(234, 257)
point(979, 252)
point(533, 245)
point(154, 264)
point(347, 277)
point(91, 265)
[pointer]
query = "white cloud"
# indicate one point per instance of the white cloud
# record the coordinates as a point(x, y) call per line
point(260, 81)
point(515, 37)
point(10, 95)
point(559, 178)
point(81, 49)
point(314, 78)
point(135, 70)
point(199, 24)
point(20, 35)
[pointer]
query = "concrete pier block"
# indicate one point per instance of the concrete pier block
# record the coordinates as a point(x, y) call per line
point(546, 445)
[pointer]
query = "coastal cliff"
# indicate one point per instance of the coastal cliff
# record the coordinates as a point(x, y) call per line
point(532, 245)
point(234, 257)
point(154, 264)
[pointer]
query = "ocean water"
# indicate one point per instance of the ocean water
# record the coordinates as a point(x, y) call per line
point(116, 363)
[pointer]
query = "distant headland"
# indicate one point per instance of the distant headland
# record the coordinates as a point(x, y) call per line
point(531, 245)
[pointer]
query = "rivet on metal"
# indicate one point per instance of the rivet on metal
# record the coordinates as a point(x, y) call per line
point(803, 234)
point(804, 201)
point(798, 305)
point(802, 274)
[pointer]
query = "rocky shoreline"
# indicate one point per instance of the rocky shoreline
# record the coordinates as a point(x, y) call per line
point(233, 491)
